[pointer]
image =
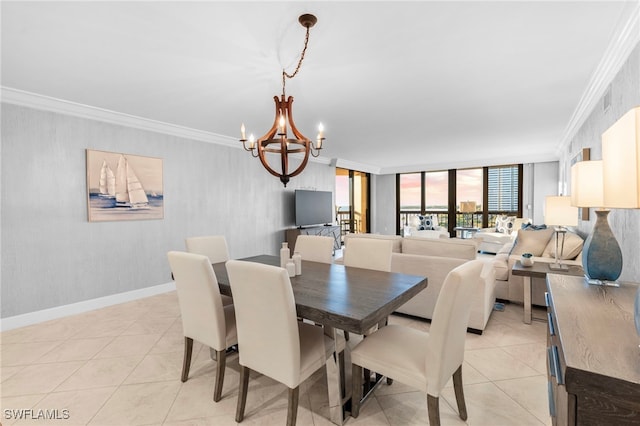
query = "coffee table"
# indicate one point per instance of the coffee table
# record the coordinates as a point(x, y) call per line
point(538, 270)
point(465, 232)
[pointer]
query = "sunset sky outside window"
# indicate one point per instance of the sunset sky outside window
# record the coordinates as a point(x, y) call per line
point(468, 188)
point(410, 184)
point(437, 190)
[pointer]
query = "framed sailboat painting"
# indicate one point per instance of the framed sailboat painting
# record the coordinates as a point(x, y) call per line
point(123, 187)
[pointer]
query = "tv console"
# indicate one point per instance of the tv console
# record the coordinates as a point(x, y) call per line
point(333, 231)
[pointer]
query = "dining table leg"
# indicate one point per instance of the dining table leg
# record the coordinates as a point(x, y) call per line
point(336, 377)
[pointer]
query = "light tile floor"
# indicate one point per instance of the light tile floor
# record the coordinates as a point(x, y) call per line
point(121, 366)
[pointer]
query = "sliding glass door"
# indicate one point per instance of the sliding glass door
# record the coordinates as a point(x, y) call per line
point(352, 201)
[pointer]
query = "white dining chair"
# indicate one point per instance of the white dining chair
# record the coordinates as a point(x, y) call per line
point(368, 253)
point(422, 360)
point(204, 318)
point(315, 248)
point(215, 248)
point(272, 341)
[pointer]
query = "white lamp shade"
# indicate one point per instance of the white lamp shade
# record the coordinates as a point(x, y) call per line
point(559, 211)
point(586, 184)
point(621, 162)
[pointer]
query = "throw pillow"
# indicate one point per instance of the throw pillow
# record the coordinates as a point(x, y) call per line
point(504, 224)
point(531, 226)
point(530, 241)
point(520, 223)
point(428, 222)
point(572, 247)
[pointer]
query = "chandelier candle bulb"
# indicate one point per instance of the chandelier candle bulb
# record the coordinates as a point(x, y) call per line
point(243, 135)
point(252, 141)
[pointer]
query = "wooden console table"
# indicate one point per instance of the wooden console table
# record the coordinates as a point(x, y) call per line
point(291, 235)
point(593, 362)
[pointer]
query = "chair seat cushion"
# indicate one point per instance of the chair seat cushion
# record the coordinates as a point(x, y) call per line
point(397, 352)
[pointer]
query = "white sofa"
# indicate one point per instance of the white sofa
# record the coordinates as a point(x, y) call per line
point(439, 232)
point(491, 241)
point(541, 244)
point(435, 258)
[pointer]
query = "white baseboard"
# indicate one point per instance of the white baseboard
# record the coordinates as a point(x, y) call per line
point(36, 317)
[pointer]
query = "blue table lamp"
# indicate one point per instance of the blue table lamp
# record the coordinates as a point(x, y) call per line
point(601, 255)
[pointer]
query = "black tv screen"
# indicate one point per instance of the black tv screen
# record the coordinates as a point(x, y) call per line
point(313, 207)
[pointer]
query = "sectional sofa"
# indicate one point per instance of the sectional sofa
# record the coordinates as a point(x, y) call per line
point(435, 258)
point(540, 243)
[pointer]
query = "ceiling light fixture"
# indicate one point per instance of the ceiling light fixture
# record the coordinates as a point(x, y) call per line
point(276, 139)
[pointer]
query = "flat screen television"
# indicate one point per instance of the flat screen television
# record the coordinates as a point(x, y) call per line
point(313, 207)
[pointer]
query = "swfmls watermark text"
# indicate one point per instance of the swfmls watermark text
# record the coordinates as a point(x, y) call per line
point(36, 414)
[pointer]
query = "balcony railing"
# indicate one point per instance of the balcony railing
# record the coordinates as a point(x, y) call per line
point(409, 218)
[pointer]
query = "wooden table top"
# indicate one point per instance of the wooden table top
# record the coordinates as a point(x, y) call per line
point(347, 298)
point(599, 340)
point(541, 269)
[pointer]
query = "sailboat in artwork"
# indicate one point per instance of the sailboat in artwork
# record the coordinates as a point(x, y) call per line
point(107, 181)
point(129, 190)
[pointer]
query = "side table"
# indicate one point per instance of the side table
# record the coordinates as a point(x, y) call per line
point(538, 270)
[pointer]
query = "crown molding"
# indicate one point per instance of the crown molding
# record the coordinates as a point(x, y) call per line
point(33, 100)
point(361, 167)
point(517, 159)
point(47, 103)
point(622, 43)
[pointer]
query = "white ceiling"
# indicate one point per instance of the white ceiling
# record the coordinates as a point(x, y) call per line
point(399, 86)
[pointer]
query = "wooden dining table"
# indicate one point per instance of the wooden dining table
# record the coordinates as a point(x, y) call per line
point(341, 298)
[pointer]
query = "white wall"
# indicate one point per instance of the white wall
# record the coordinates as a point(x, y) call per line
point(51, 254)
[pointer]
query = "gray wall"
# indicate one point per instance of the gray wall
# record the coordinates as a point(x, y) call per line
point(384, 199)
point(625, 224)
point(51, 254)
point(545, 176)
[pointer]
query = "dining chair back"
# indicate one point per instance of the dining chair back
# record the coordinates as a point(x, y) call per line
point(315, 248)
point(212, 246)
point(215, 248)
point(204, 318)
point(271, 339)
point(368, 253)
point(426, 360)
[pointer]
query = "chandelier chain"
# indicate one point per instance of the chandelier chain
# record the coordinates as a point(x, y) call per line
point(286, 75)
